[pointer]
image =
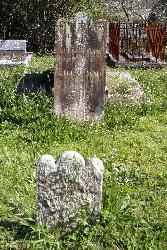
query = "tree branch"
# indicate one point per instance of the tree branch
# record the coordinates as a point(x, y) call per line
point(125, 11)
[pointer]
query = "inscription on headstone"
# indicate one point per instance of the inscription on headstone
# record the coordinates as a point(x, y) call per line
point(64, 187)
point(10, 45)
point(79, 79)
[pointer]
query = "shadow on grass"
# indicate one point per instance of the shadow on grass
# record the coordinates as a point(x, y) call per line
point(35, 82)
point(21, 231)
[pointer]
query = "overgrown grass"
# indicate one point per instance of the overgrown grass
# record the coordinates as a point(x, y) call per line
point(131, 141)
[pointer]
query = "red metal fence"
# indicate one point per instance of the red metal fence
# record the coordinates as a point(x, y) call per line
point(143, 41)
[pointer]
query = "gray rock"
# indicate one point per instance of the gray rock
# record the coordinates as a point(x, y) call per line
point(123, 88)
point(65, 187)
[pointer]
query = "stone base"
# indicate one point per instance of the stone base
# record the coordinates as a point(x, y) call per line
point(8, 60)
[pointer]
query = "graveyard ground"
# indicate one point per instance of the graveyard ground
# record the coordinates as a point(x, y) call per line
point(131, 141)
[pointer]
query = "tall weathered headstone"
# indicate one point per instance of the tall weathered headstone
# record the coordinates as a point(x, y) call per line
point(66, 186)
point(80, 70)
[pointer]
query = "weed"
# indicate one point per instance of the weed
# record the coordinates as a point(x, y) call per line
point(132, 142)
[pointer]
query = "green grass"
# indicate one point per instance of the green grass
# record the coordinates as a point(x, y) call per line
point(116, 84)
point(131, 141)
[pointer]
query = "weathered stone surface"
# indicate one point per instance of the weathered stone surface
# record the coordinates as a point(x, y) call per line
point(13, 45)
point(64, 187)
point(80, 47)
point(124, 89)
point(13, 52)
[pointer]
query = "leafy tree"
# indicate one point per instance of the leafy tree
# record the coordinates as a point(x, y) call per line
point(159, 11)
point(129, 10)
point(35, 20)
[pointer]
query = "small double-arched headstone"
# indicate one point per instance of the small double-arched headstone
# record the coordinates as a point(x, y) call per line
point(66, 186)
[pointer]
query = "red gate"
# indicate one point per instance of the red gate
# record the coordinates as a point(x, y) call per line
point(137, 41)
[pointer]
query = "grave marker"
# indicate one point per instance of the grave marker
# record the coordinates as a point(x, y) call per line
point(79, 79)
point(13, 52)
point(64, 187)
point(12, 45)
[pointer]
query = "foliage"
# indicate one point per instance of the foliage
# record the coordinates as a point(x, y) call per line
point(131, 141)
point(129, 10)
point(159, 10)
point(35, 20)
